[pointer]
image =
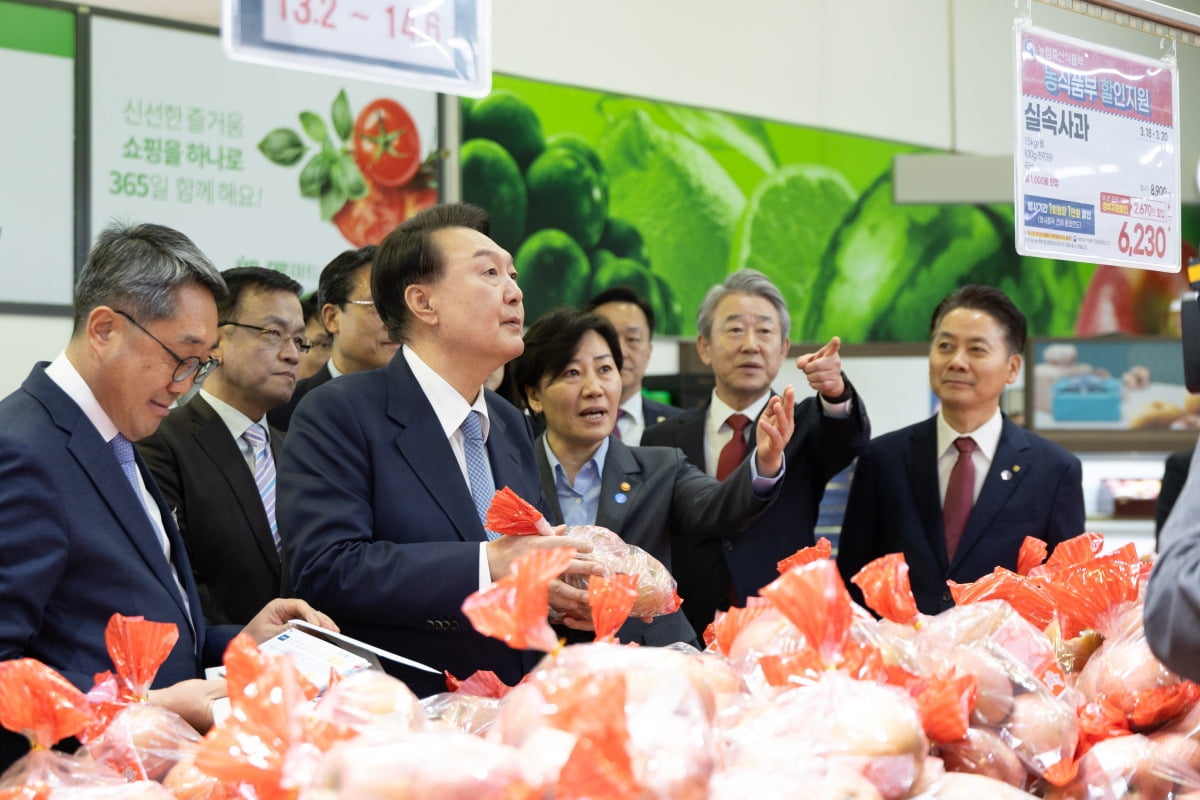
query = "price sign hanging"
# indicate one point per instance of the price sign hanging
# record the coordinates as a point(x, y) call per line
point(1096, 153)
point(440, 45)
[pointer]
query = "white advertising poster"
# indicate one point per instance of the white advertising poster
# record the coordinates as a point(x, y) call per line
point(37, 162)
point(1096, 153)
point(258, 165)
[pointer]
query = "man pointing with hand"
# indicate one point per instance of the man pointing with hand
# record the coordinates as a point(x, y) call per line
point(743, 327)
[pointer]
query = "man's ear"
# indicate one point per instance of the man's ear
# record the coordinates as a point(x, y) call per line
point(329, 318)
point(100, 328)
point(1014, 367)
point(702, 349)
point(420, 303)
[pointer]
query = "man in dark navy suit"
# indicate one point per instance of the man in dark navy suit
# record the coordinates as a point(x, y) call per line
point(633, 318)
point(386, 475)
point(87, 533)
point(958, 493)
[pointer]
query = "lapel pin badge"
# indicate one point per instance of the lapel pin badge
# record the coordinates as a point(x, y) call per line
point(625, 486)
point(1005, 475)
point(620, 497)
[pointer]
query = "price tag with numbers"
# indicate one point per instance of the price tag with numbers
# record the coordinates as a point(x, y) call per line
point(440, 45)
point(1096, 153)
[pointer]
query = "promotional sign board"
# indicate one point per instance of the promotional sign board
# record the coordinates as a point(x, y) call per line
point(258, 165)
point(440, 45)
point(37, 155)
point(1096, 153)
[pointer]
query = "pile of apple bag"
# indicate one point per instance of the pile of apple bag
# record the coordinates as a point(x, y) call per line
point(1037, 683)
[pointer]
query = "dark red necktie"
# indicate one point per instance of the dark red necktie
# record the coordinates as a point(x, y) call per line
point(960, 495)
point(735, 449)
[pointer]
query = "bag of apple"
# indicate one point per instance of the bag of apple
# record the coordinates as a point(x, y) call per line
point(368, 174)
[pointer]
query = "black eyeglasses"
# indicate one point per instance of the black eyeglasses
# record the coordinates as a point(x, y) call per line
point(184, 367)
point(275, 337)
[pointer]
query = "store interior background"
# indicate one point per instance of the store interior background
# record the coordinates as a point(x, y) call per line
point(935, 73)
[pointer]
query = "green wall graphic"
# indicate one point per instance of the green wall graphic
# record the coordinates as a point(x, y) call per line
point(590, 190)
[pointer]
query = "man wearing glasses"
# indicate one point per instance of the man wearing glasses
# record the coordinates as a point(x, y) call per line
point(214, 457)
point(86, 531)
point(360, 340)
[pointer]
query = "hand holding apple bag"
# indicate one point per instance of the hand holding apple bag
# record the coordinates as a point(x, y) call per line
point(610, 555)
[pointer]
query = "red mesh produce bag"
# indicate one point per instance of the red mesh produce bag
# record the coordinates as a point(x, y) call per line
point(45, 708)
point(655, 585)
point(514, 608)
point(599, 764)
point(806, 555)
point(1032, 554)
point(509, 514)
point(611, 599)
point(886, 588)
point(133, 736)
point(815, 600)
point(270, 742)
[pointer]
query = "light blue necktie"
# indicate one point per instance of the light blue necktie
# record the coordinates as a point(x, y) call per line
point(264, 474)
point(480, 476)
point(123, 449)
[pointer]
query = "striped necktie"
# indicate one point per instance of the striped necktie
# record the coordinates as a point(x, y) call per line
point(264, 474)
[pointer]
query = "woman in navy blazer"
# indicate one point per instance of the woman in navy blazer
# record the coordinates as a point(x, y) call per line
point(570, 375)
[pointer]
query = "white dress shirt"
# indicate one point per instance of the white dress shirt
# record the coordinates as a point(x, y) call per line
point(987, 439)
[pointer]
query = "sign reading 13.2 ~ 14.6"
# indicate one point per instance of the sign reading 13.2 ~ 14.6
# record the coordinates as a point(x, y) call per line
point(1096, 153)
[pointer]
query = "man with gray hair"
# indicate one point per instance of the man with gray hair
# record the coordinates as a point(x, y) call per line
point(743, 327)
point(87, 533)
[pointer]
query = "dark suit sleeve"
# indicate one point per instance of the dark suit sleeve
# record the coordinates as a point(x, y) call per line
point(36, 551)
point(1067, 515)
point(1174, 475)
point(160, 457)
point(837, 441)
point(1172, 612)
point(704, 508)
point(860, 540)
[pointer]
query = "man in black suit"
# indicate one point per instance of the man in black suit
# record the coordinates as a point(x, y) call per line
point(207, 454)
point(743, 335)
point(958, 493)
point(633, 318)
point(360, 339)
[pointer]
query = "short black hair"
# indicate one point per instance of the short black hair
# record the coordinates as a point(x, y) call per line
point(551, 342)
point(622, 294)
point(247, 279)
point(408, 256)
point(312, 310)
point(992, 302)
point(337, 278)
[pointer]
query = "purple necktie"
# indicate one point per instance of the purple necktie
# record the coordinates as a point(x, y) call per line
point(960, 495)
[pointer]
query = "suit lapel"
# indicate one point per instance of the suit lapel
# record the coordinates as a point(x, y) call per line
point(1012, 457)
point(546, 473)
point(622, 477)
point(179, 556)
point(691, 438)
point(923, 479)
point(214, 439)
point(424, 447)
